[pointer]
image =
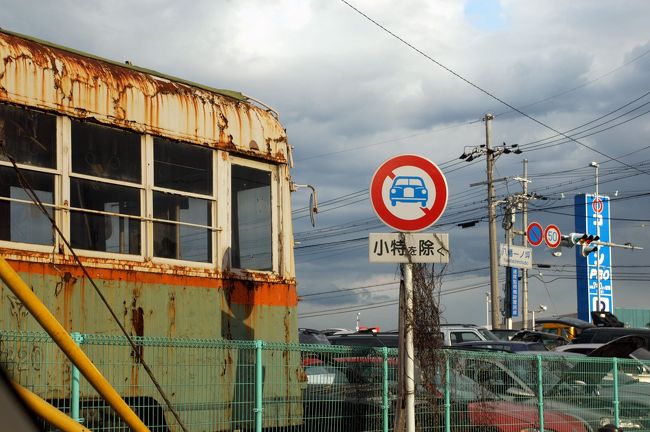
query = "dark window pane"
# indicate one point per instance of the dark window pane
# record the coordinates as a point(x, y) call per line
point(251, 219)
point(106, 152)
point(180, 241)
point(182, 167)
point(104, 232)
point(20, 222)
point(29, 136)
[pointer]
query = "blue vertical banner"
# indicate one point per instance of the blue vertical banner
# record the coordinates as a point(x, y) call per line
point(514, 299)
point(592, 216)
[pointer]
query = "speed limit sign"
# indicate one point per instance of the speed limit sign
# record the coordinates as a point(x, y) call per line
point(552, 236)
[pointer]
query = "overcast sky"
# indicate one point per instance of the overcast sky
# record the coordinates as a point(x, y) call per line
point(351, 95)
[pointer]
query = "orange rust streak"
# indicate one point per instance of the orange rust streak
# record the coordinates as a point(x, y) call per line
point(243, 292)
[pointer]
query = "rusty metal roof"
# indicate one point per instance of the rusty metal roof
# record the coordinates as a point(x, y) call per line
point(43, 75)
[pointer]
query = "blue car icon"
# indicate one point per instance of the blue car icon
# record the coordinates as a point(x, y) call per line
point(408, 189)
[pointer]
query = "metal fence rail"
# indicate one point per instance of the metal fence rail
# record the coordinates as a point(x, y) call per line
point(219, 385)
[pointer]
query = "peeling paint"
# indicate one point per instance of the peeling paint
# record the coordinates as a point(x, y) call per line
point(83, 86)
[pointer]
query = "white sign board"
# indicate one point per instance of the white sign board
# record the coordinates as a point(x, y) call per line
point(398, 247)
point(515, 256)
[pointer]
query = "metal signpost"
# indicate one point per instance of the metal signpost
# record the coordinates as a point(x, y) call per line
point(409, 194)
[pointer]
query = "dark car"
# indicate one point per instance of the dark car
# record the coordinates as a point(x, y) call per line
point(504, 334)
point(366, 339)
point(311, 336)
point(550, 341)
point(506, 346)
point(607, 334)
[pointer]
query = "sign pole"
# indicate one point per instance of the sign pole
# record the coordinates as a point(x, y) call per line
point(409, 365)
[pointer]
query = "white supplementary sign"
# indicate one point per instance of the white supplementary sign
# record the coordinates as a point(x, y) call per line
point(515, 256)
point(398, 247)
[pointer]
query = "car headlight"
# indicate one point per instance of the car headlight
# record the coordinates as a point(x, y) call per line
point(393, 191)
point(623, 423)
point(424, 191)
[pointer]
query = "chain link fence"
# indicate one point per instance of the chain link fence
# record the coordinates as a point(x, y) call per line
point(222, 385)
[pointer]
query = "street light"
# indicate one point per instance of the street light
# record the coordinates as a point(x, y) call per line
point(542, 308)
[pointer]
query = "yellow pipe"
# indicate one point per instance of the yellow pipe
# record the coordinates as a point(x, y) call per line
point(48, 412)
point(68, 346)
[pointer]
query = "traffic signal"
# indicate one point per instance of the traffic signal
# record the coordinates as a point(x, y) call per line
point(582, 239)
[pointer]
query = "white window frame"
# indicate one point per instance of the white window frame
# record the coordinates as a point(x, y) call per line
point(212, 199)
point(56, 192)
point(69, 174)
point(275, 207)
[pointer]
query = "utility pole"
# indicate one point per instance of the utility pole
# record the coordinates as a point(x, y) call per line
point(524, 272)
point(492, 219)
point(491, 154)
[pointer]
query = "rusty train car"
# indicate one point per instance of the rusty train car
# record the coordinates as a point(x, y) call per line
point(175, 196)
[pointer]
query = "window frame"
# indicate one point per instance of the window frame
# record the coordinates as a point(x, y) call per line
point(57, 174)
point(275, 206)
point(219, 201)
point(151, 188)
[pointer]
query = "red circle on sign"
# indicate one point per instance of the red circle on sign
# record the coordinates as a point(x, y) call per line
point(597, 205)
point(535, 233)
point(430, 215)
point(552, 236)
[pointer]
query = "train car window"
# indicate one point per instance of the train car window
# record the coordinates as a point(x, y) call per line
point(182, 167)
point(175, 240)
point(252, 240)
point(29, 138)
point(104, 229)
point(105, 189)
point(182, 226)
point(20, 220)
point(106, 152)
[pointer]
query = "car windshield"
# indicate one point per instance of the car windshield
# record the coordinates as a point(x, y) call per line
point(408, 181)
point(488, 334)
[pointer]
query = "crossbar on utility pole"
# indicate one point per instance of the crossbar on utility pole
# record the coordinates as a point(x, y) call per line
point(492, 219)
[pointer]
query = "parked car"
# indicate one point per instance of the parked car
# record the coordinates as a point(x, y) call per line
point(505, 346)
point(473, 406)
point(451, 334)
point(578, 390)
point(567, 327)
point(607, 334)
point(311, 336)
point(504, 334)
point(550, 341)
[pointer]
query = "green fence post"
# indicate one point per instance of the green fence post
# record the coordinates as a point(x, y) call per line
point(258, 385)
point(615, 373)
point(384, 390)
point(447, 393)
point(74, 382)
point(540, 392)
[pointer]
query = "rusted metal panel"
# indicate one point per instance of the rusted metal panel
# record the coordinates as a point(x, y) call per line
point(83, 86)
point(151, 303)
